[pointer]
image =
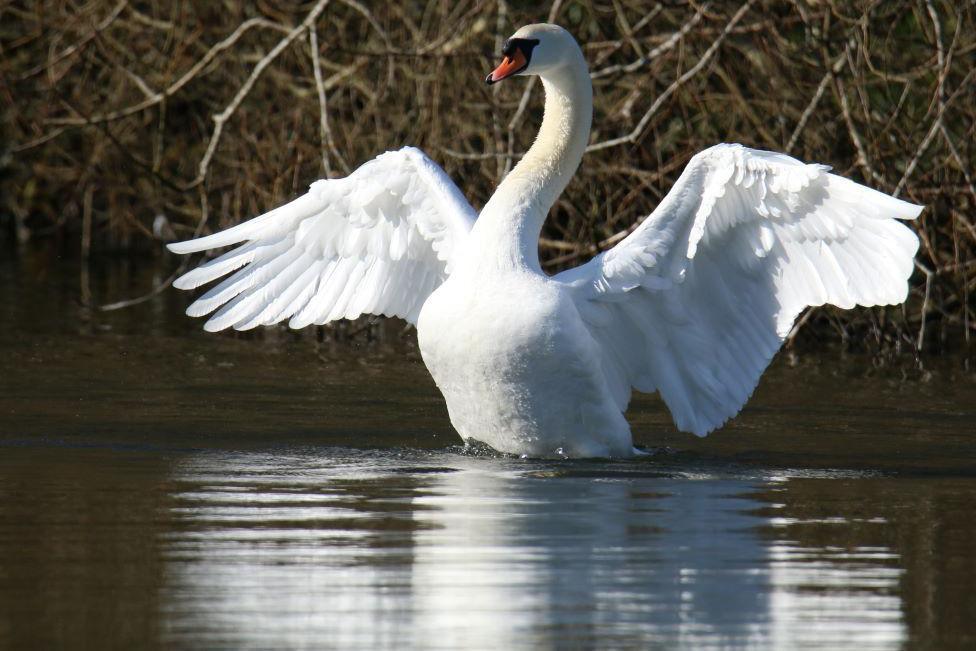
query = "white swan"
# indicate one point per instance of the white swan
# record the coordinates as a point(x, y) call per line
point(693, 304)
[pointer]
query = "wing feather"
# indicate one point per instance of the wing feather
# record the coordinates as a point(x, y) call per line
point(378, 242)
point(296, 280)
point(697, 300)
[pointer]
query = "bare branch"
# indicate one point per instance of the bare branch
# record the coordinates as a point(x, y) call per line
point(656, 52)
point(930, 134)
point(862, 156)
point(838, 63)
point(634, 135)
point(221, 118)
point(325, 135)
point(175, 87)
point(70, 50)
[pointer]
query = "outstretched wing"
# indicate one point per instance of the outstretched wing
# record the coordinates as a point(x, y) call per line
point(376, 242)
point(697, 300)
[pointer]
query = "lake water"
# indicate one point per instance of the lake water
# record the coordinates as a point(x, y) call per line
point(165, 488)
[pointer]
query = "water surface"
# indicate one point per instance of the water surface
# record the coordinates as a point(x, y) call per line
point(165, 488)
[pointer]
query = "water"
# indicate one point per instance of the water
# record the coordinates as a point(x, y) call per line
point(165, 488)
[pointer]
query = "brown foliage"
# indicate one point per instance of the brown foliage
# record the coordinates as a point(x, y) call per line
point(207, 113)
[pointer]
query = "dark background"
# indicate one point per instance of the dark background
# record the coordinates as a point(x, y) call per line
point(109, 144)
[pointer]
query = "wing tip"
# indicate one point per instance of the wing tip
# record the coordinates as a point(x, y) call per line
point(184, 247)
point(702, 426)
point(704, 432)
point(901, 209)
point(914, 209)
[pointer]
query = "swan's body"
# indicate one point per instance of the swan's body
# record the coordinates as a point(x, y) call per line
point(518, 367)
point(693, 304)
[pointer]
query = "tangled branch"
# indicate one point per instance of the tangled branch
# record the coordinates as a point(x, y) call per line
point(115, 114)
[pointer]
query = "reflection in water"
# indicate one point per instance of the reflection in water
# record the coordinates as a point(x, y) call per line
point(125, 523)
point(812, 587)
point(282, 551)
point(636, 560)
point(306, 551)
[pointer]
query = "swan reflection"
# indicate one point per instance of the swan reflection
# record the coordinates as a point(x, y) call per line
point(449, 552)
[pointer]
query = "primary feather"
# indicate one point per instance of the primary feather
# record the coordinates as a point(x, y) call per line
point(376, 242)
point(696, 301)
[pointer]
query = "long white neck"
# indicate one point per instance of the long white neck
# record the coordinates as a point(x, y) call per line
point(506, 234)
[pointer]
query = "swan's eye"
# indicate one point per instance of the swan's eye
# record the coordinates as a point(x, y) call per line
point(517, 52)
point(524, 45)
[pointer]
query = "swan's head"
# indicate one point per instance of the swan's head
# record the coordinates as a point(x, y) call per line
point(534, 50)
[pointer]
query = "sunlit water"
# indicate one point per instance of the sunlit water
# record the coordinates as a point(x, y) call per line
point(164, 488)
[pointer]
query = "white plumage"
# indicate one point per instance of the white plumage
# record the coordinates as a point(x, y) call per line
point(693, 304)
point(696, 301)
point(377, 242)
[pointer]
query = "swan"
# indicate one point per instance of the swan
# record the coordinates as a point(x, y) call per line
point(692, 304)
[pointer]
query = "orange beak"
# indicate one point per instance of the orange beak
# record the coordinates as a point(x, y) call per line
point(508, 67)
